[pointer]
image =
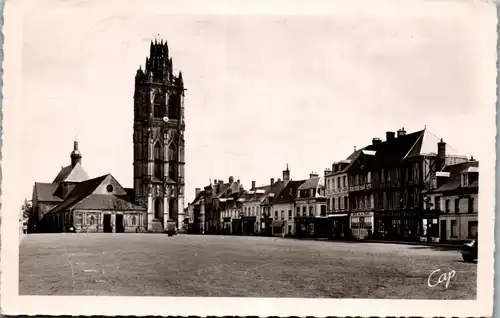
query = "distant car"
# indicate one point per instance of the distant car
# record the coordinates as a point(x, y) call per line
point(469, 251)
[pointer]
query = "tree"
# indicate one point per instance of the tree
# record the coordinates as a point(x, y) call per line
point(26, 210)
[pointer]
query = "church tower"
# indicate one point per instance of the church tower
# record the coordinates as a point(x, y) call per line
point(159, 139)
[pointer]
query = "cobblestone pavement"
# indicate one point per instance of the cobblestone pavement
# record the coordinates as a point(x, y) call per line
point(193, 265)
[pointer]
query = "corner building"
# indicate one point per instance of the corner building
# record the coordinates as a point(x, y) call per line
point(159, 140)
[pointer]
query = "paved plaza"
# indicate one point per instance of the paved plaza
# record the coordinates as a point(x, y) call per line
point(191, 265)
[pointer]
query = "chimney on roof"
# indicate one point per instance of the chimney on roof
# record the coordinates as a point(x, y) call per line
point(231, 179)
point(313, 175)
point(197, 191)
point(253, 185)
point(441, 156)
point(272, 182)
point(376, 141)
point(238, 181)
point(390, 135)
point(401, 132)
point(327, 171)
point(286, 174)
point(472, 158)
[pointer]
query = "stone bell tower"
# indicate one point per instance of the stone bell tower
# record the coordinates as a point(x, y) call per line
point(159, 140)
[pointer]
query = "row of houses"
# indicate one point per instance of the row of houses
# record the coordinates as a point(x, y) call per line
point(407, 187)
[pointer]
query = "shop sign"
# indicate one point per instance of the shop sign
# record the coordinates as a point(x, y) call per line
point(362, 214)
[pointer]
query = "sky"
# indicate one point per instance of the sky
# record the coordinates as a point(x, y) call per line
point(263, 90)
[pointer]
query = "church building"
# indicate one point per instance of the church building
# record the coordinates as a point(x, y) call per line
point(159, 139)
point(74, 202)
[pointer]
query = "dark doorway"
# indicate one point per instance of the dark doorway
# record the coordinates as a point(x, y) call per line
point(157, 209)
point(106, 227)
point(119, 224)
point(443, 231)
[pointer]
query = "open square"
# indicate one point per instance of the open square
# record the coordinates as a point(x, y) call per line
point(236, 266)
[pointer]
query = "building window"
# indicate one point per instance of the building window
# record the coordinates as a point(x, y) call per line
point(304, 211)
point(323, 210)
point(437, 203)
point(289, 214)
point(298, 211)
point(159, 106)
point(134, 220)
point(157, 160)
point(157, 208)
point(345, 203)
point(275, 215)
point(472, 229)
point(311, 213)
point(282, 215)
point(174, 106)
point(345, 181)
point(457, 205)
point(471, 205)
point(454, 228)
point(447, 206)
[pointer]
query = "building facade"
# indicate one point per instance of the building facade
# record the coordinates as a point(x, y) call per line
point(75, 203)
point(310, 206)
point(159, 139)
point(284, 208)
point(454, 195)
point(386, 182)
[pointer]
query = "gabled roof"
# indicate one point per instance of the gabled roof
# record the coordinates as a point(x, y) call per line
point(312, 183)
point(71, 174)
point(82, 190)
point(45, 192)
point(454, 181)
point(93, 194)
point(289, 192)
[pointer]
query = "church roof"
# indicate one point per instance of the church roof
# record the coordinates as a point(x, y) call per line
point(92, 195)
point(46, 192)
point(71, 174)
point(81, 191)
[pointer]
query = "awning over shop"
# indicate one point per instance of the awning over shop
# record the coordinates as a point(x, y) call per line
point(278, 223)
point(338, 215)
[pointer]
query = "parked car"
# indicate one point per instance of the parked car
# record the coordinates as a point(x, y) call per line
point(469, 251)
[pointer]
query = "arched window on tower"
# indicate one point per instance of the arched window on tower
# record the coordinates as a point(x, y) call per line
point(174, 106)
point(172, 162)
point(159, 106)
point(157, 161)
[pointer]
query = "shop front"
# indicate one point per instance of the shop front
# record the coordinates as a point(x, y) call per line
point(236, 226)
point(249, 224)
point(339, 226)
point(362, 225)
point(304, 226)
point(266, 226)
point(226, 225)
point(397, 225)
point(278, 227)
point(429, 228)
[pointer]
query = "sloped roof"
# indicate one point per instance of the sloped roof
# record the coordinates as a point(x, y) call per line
point(71, 174)
point(312, 183)
point(46, 192)
point(427, 144)
point(289, 192)
point(82, 190)
point(389, 153)
point(454, 181)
